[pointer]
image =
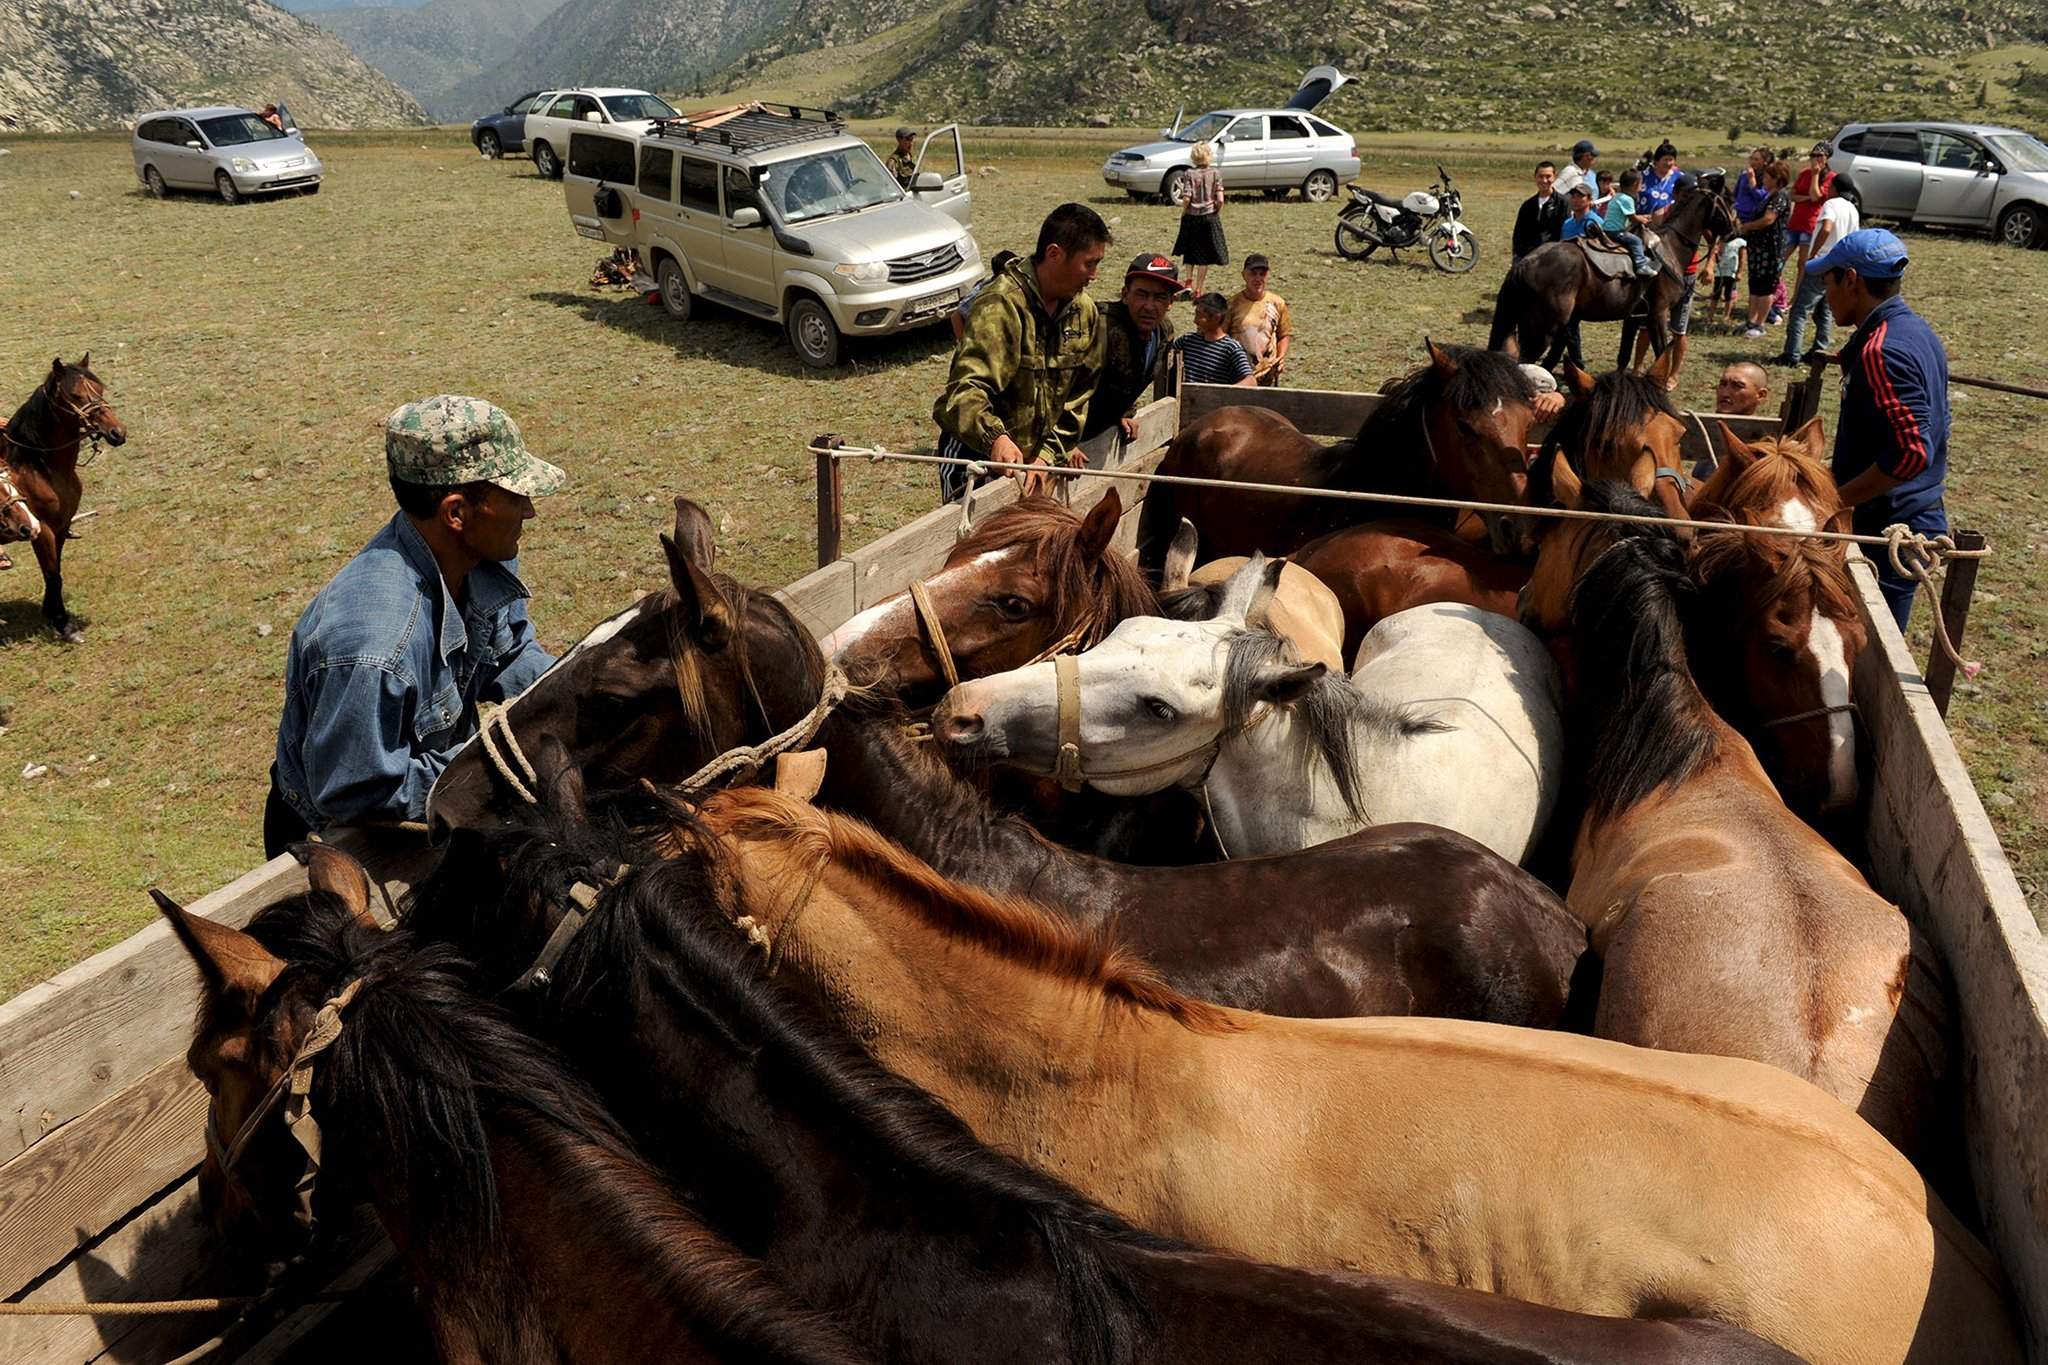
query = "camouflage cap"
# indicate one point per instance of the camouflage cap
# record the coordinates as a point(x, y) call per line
point(449, 439)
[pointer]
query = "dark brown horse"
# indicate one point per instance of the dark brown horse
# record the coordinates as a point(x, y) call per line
point(1556, 284)
point(876, 1204)
point(1384, 567)
point(1456, 428)
point(534, 1234)
point(39, 486)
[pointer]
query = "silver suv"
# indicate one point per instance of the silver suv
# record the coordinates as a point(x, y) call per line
point(1965, 175)
point(234, 152)
point(778, 212)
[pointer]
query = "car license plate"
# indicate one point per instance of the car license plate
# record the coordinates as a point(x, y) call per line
point(931, 301)
point(1112, 177)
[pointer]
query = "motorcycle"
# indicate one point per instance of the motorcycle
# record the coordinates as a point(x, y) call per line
point(1373, 220)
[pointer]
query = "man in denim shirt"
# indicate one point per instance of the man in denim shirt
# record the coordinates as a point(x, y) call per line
point(389, 661)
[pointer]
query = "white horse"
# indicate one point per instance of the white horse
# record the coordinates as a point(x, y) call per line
point(1450, 718)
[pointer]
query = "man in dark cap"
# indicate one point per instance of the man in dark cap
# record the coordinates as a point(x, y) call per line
point(1137, 339)
point(1580, 171)
point(900, 162)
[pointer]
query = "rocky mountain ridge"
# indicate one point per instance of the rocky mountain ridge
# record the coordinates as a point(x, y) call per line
point(430, 49)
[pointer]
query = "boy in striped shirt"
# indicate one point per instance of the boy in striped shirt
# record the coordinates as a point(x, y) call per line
point(1210, 356)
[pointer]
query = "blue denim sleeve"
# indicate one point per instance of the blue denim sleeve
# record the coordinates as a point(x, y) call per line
point(523, 664)
point(357, 749)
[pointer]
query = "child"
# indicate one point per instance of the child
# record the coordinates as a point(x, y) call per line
point(1621, 216)
point(1727, 270)
point(1210, 356)
point(1603, 191)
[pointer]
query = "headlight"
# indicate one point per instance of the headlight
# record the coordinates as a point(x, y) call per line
point(970, 250)
point(243, 165)
point(866, 271)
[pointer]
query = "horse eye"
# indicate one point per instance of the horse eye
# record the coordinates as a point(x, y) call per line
point(1012, 607)
point(1159, 709)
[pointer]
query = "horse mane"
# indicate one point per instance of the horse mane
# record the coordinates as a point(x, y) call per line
point(1640, 717)
point(1098, 593)
point(1010, 927)
point(1600, 425)
point(1783, 471)
point(1784, 566)
point(27, 434)
point(1330, 712)
point(1393, 429)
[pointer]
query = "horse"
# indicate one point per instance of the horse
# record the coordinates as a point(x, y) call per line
point(533, 1233)
point(1556, 285)
point(1725, 924)
point(1622, 426)
point(39, 485)
point(1450, 718)
point(1304, 611)
point(1385, 567)
point(1456, 427)
point(1776, 648)
point(1565, 1170)
point(872, 1201)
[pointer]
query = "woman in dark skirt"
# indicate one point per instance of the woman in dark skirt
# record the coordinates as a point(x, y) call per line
point(1200, 243)
point(1765, 234)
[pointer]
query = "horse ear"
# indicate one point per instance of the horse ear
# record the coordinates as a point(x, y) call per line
point(1565, 483)
point(1248, 591)
point(85, 361)
point(230, 962)
point(1666, 364)
point(702, 604)
point(1098, 528)
point(1441, 360)
point(329, 869)
point(56, 374)
point(1814, 438)
point(1180, 557)
point(561, 778)
point(1579, 381)
point(1736, 451)
point(693, 532)
point(1282, 683)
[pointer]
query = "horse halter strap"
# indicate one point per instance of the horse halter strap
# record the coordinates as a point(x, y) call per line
point(11, 496)
point(928, 616)
point(582, 903)
point(1068, 768)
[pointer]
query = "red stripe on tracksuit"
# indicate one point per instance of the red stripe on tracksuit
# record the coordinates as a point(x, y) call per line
point(1905, 427)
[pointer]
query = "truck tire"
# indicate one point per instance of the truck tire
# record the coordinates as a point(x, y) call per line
point(813, 334)
point(675, 288)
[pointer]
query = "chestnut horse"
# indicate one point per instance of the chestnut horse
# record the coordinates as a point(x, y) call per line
point(1385, 567)
point(877, 1205)
point(1725, 924)
point(1455, 428)
point(1571, 1171)
point(1777, 645)
point(1622, 427)
point(533, 1234)
point(39, 486)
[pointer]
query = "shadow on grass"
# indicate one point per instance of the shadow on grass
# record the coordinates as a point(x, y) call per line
point(718, 333)
point(21, 620)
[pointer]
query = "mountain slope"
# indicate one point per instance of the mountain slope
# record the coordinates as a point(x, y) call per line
point(99, 64)
point(429, 50)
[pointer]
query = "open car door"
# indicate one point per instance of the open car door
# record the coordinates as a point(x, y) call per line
point(598, 184)
point(284, 116)
point(1317, 85)
point(943, 155)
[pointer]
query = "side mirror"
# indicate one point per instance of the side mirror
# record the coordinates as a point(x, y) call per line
point(746, 216)
point(592, 116)
point(194, 144)
point(1994, 167)
point(928, 180)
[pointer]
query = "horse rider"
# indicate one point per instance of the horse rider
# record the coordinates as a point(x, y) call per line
point(1137, 346)
point(389, 661)
point(1891, 439)
point(1024, 370)
point(900, 162)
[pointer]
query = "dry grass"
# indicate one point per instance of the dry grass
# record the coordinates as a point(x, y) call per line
point(254, 351)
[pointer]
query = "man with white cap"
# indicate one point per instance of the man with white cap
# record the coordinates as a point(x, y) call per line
point(389, 660)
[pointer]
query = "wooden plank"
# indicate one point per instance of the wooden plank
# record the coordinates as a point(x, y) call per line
point(823, 599)
point(885, 567)
point(92, 1171)
point(1935, 853)
point(276, 1344)
point(1314, 412)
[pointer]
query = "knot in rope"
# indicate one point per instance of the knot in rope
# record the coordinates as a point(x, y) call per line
point(1916, 555)
point(749, 758)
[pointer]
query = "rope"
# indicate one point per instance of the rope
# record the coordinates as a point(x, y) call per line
point(749, 758)
point(493, 716)
point(146, 1308)
point(921, 598)
point(1914, 556)
point(1816, 712)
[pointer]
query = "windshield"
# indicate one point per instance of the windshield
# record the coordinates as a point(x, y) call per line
point(1204, 129)
point(828, 183)
point(628, 108)
point(233, 130)
point(2020, 152)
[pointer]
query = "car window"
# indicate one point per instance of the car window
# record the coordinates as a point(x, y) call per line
point(699, 188)
point(1323, 129)
point(525, 103)
point(658, 173)
point(2018, 152)
point(739, 191)
point(1891, 145)
point(233, 130)
point(586, 104)
point(1203, 128)
point(148, 131)
point(179, 132)
point(1946, 151)
point(565, 107)
point(1247, 130)
point(628, 108)
point(596, 157)
point(818, 186)
point(1286, 127)
point(1852, 144)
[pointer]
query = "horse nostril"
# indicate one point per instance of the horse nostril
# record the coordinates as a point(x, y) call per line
point(959, 727)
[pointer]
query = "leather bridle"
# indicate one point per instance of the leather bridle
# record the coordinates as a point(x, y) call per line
point(1086, 635)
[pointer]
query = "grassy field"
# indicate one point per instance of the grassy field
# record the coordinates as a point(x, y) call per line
point(254, 351)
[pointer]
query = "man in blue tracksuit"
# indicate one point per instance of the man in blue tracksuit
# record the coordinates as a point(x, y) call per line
point(1891, 441)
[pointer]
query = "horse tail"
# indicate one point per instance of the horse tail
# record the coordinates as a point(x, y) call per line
point(1510, 309)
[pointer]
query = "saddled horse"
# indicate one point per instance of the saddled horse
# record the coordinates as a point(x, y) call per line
point(1557, 283)
point(1450, 718)
point(1384, 567)
point(39, 484)
point(1775, 650)
point(1455, 427)
point(874, 1203)
point(1726, 925)
point(533, 1233)
point(1444, 1150)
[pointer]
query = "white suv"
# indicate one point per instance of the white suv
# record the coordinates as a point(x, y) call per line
point(548, 126)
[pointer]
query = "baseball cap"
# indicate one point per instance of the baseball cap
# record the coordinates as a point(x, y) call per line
point(448, 439)
point(1213, 302)
point(1153, 266)
point(1579, 188)
point(1540, 379)
point(902, 133)
point(1584, 146)
point(1257, 261)
point(1873, 253)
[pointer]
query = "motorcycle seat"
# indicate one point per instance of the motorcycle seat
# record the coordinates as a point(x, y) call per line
point(1376, 197)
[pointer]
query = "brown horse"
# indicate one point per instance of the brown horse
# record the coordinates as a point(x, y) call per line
point(39, 486)
point(1384, 567)
point(1456, 428)
point(1564, 1170)
point(1777, 645)
point(1725, 924)
point(1622, 427)
point(533, 1233)
point(1556, 284)
point(877, 1205)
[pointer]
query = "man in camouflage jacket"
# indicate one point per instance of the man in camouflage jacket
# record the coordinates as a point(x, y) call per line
point(900, 162)
point(1024, 371)
point(1137, 346)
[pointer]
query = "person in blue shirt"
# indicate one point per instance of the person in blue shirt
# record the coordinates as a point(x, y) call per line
point(1211, 356)
point(1891, 439)
point(1579, 218)
point(1660, 186)
point(388, 662)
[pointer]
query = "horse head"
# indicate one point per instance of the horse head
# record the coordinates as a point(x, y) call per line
point(75, 392)
point(653, 692)
point(1620, 427)
point(1476, 419)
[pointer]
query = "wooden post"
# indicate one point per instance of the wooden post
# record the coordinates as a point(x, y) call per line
point(1958, 584)
point(1802, 396)
point(830, 491)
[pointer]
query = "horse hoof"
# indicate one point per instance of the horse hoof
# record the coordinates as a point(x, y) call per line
point(70, 635)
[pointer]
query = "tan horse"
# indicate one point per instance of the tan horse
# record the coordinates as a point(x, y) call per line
point(1303, 611)
point(1554, 1168)
point(1725, 924)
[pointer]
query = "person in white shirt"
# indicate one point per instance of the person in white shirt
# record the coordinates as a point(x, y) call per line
point(1838, 218)
point(1580, 171)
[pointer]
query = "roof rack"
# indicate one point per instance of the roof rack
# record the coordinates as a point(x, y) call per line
point(753, 127)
